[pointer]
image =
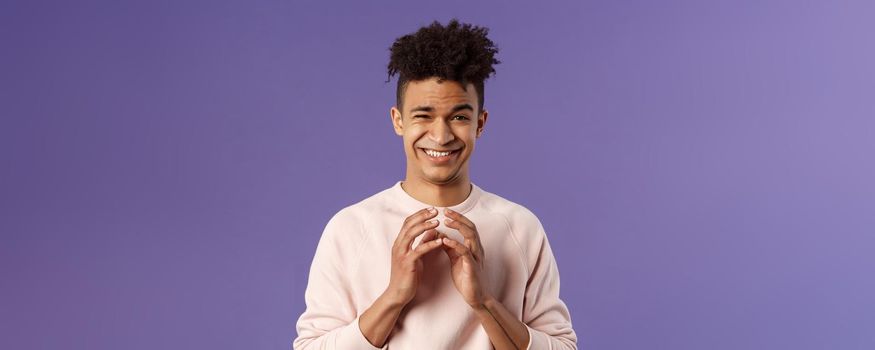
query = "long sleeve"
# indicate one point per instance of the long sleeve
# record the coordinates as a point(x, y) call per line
point(330, 320)
point(545, 315)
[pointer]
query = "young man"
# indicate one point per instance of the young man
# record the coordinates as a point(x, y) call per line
point(387, 275)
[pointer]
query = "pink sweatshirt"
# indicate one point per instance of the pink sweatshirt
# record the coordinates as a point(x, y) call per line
point(352, 264)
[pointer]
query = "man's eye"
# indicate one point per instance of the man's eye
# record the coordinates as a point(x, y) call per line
point(427, 116)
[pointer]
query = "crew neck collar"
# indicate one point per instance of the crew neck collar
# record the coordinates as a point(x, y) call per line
point(414, 204)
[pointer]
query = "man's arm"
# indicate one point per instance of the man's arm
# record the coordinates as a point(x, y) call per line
point(545, 315)
point(375, 324)
point(330, 320)
point(377, 321)
point(502, 327)
point(546, 322)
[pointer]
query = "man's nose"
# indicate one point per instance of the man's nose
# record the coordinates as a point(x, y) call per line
point(441, 133)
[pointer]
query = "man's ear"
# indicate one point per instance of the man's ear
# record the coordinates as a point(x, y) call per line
point(397, 121)
point(481, 122)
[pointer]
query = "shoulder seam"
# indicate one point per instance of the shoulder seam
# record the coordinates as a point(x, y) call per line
point(523, 254)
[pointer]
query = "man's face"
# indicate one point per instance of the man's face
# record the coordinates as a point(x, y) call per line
point(440, 117)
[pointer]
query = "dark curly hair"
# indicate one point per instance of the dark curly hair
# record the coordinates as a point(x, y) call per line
point(458, 51)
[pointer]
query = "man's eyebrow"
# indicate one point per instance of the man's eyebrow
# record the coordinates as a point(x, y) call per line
point(457, 108)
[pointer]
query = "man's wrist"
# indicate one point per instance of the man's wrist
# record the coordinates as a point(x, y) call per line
point(377, 322)
point(485, 302)
point(391, 299)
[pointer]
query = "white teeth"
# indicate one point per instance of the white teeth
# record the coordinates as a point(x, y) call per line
point(437, 154)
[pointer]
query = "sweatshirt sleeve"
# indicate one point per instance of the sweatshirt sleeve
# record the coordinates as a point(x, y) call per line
point(330, 320)
point(544, 314)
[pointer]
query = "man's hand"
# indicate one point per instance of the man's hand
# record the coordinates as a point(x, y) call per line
point(377, 322)
point(466, 259)
point(406, 263)
point(503, 329)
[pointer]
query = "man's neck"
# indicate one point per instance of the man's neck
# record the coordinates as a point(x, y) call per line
point(445, 195)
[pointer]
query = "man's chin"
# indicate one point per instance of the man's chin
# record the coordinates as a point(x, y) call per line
point(441, 178)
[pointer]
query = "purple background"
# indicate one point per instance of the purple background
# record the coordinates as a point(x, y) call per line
point(704, 169)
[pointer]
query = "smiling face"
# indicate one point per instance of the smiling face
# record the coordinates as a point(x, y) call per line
point(440, 117)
